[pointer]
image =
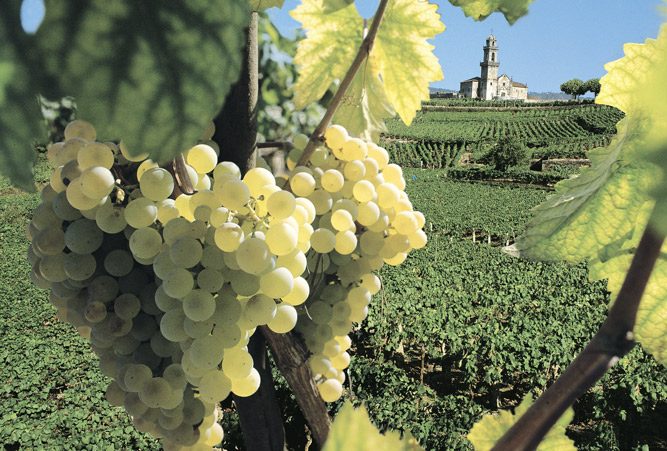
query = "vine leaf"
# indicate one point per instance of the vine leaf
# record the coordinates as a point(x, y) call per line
point(481, 9)
point(152, 73)
point(333, 36)
point(263, 5)
point(402, 37)
point(20, 116)
point(365, 105)
point(352, 429)
point(601, 214)
point(486, 432)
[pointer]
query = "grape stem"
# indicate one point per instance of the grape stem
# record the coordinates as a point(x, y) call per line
point(181, 175)
point(614, 340)
point(284, 145)
point(364, 51)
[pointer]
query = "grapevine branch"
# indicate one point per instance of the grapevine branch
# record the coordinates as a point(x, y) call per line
point(610, 343)
point(363, 53)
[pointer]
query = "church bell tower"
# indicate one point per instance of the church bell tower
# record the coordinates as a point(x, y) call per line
point(488, 84)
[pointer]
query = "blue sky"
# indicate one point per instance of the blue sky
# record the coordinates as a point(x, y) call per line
point(558, 39)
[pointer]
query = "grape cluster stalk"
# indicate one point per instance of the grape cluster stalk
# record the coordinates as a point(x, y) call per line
point(169, 287)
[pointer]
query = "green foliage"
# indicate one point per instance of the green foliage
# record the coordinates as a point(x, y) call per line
point(593, 86)
point(481, 9)
point(509, 152)
point(514, 175)
point(574, 87)
point(263, 5)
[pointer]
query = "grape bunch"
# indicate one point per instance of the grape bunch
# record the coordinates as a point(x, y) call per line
point(169, 286)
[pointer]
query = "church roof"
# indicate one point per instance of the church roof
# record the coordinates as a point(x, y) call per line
point(516, 84)
point(472, 79)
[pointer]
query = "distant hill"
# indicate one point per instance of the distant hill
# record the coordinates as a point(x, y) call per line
point(550, 95)
point(442, 90)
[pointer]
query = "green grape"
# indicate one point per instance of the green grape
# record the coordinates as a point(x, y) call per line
point(198, 305)
point(95, 154)
point(335, 137)
point(136, 376)
point(83, 236)
point(80, 129)
point(256, 179)
point(303, 184)
point(198, 329)
point(51, 268)
point(228, 237)
point(260, 309)
point(226, 168)
point(78, 199)
point(294, 261)
point(155, 392)
point(95, 312)
point(331, 349)
point(145, 242)
point(110, 218)
point(202, 158)
point(125, 345)
point(354, 170)
point(97, 182)
point(363, 191)
point(177, 283)
point(161, 346)
point(378, 154)
point(69, 150)
point(185, 252)
point(49, 241)
point(299, 292)
point(156, 184)
point(166, 210)
point(114, 394)
point(323, 240)
point(320, 312)
point(79, 266)
point(342, 220)
point(228, 311)
point(127, 306)
point(63, 209)
point(175, 376)
point(253, 255)
point(165, 302)
point(171, 325)
point(141, 212)
point(281, 204)
point(234, 194)
point(230, 336)
point(206, 352)
point(332, 180)
point(210, 280)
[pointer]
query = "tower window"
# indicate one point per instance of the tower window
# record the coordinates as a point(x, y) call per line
point(493, 57)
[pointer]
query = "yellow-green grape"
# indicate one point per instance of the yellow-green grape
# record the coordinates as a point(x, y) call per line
point(342, 220)
point(248, 385)
point(202, 158)
point(398, 242)
point(237, 363)
point(323, 241)
point(335, 137)
point(50, 241)
point(346, 242)
point(56, 181)
point(145, 242)
point(354, 149)
point(417, 239)
point(378, 154)
point(330, 390)
point(166, 210)
point(256, 179)
point(234, 195)
point(371, 243)
point(171, 325)
point(114, 394)
point(214, 387)
point(110, 218)
point(277, 283)
point(388, 195)
point(62, 208)
point(320, 157)
point(292, 158)
point(51, 152)
point(396, 259)
point(156, 184)
point(260, 309)
point(284, 319)
point(281, 204)
point(96, 182)
point(78, 199)
point(332, 180)
point(214, 435)
point(299, 293)
point(303, 184)
point(178, 283)
point(186, 252)
point(341, 361)
point(354, 170)
point(371, 282)
point(300, 141)
point(282, 238)
point(80, 129)
point(212, 257)
point(127, 306)
point(95, 154)
point(141, 212)
point(226, 167)
point(252, 255)
point(371, 168)
point(204, 182)
point(44, 217)
point(210, 280)
point(69, 151)
point(182, 203)
point(308, 206)
point(363, 191)
point(133, 156)
point(136, 377)
point(198, 305)
point(320, 312)
point(144, 167)
point(95, 312)
point(294, 261)
point(393, 173)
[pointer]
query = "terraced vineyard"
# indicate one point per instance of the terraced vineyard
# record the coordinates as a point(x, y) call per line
point(436, 138)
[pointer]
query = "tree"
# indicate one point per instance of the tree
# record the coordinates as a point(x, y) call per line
point(508, 152)
point(593, 85)
point(157, 81)
point(574, 87)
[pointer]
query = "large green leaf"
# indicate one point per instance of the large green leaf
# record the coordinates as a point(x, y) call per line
point(481, 9)
point(405, 59)
point(263, 5)
point(486, 432)
point(20, 116)
point(150, 72)
point(333, 35)
point(352, 430)
point(365, 105)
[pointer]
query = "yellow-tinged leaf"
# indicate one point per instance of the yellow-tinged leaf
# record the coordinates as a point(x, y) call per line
point(263, 5)
point(402, 36)
point(486, 432)
point(352, 430)
point(333, 36)
point(481, 9)
point(365, 105)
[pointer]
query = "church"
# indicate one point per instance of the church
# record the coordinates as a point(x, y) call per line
point(490, 86)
